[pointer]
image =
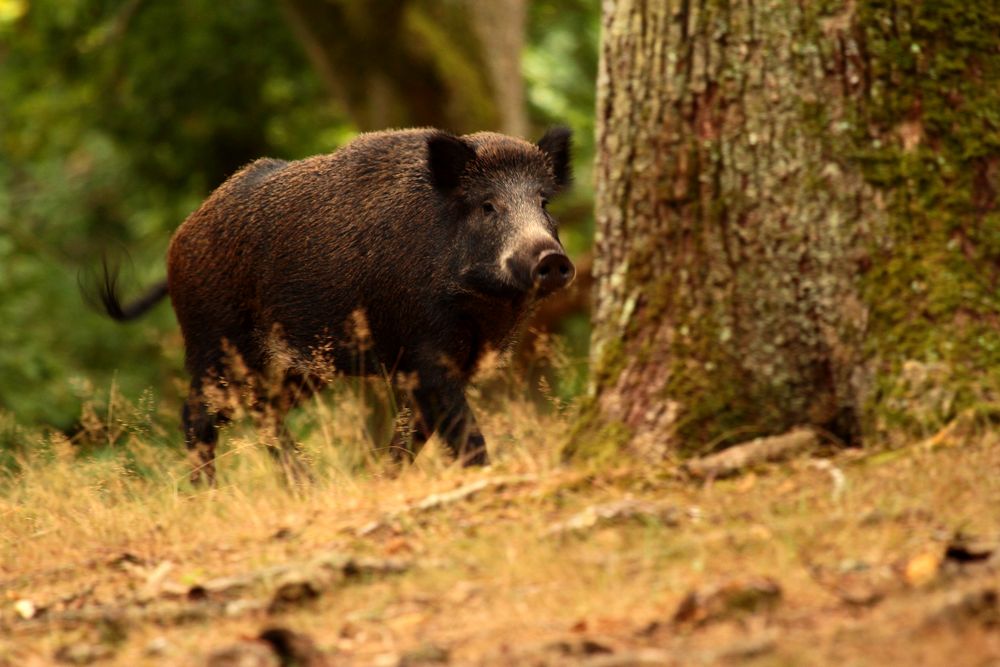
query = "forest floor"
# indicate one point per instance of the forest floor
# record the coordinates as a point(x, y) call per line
point(857, 557)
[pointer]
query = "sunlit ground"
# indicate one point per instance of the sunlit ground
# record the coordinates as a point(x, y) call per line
point(113, 557)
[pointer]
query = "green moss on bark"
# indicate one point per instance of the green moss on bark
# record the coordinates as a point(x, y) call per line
point(929, 140)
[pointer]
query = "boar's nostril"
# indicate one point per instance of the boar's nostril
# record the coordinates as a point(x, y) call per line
point(553, 271)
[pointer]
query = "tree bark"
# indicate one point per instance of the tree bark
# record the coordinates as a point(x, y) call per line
point(779, 187)
point(392, 63)
point(500, 27)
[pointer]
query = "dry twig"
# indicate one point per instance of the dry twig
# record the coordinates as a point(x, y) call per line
point(760, 450)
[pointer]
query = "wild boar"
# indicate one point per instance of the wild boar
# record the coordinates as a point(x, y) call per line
point(407, 253)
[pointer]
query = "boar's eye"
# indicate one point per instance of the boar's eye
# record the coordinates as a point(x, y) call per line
point(488, 208)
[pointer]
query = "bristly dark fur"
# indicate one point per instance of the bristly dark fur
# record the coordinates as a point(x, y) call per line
point(285, 261)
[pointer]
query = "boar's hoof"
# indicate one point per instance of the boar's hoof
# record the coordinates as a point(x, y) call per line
point(552, 272)
point(475, 458)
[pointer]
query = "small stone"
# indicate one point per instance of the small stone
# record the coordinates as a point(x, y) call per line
point(859, 593)
point(616, 512)
point(746, 649)
point(426, 654)
point(244, 654)
point(386, 660)
point(241, 607)
point(294, 591)
point(25, 609)
point(157, 647)
point(82, 653)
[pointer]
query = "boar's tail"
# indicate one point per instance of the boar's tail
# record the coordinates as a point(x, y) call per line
point(111, 300)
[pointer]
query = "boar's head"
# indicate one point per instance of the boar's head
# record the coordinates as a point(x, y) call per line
point(506, 242)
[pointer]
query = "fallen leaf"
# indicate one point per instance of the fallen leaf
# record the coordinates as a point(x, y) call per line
point(922, 568)
point(732, 599)
point(283, 533)
point(397, 545)
point(407, 620)
point(125, 559)
point(580, 647)
point(25, 609)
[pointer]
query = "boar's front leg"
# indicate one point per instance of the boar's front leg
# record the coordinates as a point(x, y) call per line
point(409, 434)
point(200, 424)
point(441, 408)
point(271, 406)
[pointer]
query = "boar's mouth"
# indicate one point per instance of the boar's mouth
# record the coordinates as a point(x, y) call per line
point(553, 272)
point(485, 280)
point(541, 272)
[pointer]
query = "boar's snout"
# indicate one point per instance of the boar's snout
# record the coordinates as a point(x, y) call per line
point(552, 272)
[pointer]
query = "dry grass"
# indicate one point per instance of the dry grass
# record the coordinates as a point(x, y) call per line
point(856, 544)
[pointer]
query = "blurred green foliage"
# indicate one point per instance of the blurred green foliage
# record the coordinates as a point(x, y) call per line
point(117, 117)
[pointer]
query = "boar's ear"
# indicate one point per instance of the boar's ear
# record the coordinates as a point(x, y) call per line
point(556, 144)
point(447, 156)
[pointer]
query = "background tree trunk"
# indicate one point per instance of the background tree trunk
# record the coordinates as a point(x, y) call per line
point(393, 63)
point(796, 220)
point(500, 27)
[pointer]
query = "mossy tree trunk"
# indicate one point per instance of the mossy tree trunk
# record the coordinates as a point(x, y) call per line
point(796, 220)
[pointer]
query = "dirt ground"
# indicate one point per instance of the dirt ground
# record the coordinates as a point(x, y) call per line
point(855, 557)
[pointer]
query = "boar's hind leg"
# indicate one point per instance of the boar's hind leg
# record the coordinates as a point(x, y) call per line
point(443, 407)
